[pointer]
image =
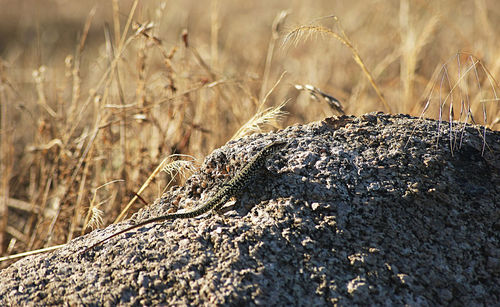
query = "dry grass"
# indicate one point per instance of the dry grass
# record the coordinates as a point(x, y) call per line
point(92, 103)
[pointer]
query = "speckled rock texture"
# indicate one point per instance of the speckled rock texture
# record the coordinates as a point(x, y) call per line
point(375, 210)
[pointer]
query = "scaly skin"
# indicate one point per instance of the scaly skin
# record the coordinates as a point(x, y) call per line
point(228, 190)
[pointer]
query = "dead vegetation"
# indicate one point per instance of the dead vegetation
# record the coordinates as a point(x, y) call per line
point(87, 123)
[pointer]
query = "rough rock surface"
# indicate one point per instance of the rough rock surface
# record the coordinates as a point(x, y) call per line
point(385, 210)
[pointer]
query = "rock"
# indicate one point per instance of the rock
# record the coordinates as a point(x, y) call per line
point(379, 210)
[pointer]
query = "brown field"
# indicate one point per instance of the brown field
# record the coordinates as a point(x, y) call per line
point(94, 95)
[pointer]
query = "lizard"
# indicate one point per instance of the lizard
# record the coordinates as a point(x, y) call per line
point(228, 190)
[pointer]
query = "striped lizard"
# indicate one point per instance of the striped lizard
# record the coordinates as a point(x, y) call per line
point(228, 190)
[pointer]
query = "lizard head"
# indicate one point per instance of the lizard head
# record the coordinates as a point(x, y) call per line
point(274, 147)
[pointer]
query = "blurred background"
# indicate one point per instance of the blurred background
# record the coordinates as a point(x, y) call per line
point(96, 94)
